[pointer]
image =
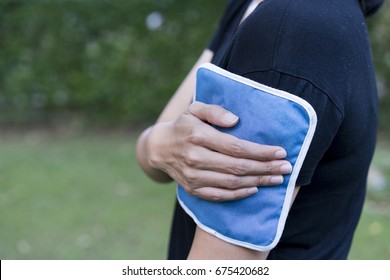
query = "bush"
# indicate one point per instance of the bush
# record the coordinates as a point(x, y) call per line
point(379, 27)
point(101, 60)
point(115, 61)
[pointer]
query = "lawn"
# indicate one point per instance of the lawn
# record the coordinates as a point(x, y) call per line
point(77, 195)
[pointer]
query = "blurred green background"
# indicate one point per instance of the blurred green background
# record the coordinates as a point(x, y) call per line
point(78, 82)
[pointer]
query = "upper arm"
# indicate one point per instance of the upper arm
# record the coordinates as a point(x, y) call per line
point(208, 246)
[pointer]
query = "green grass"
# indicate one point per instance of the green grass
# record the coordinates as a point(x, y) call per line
point(82, 196)
point(79, 197)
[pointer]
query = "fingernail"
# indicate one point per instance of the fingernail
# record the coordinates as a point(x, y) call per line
point(286, 168)
point(251, 191)
point(280, 154)
point(276, 180)
point(230, 118)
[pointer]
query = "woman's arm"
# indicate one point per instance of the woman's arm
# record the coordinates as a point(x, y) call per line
point(183, 146)
point(208, 247)
point(177, 105)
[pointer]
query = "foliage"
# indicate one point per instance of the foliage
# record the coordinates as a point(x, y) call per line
point(99, 59)
point(374, 223)
point(115, 61)
point(379, 27)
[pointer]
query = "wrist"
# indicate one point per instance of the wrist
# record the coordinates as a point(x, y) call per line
point(154, 145)
point(148, 156)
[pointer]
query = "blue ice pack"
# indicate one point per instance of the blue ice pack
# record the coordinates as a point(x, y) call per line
point(267, 116)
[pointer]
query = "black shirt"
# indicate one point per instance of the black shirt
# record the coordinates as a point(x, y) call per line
point(318, 50)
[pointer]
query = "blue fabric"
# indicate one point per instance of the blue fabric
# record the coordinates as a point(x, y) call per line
point(267, 118)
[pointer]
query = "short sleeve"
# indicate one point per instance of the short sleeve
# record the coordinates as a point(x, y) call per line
point(328, 114)
point(287, 47)
point(227, 26)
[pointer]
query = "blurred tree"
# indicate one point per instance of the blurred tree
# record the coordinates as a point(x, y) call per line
point(379, 27)
point(105, 61)
point(115, 61)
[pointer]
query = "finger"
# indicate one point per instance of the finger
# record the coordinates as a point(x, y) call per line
point(206, 159)
point(213, 114)
point(209, 137)
point(202, 178)
point(219, 194)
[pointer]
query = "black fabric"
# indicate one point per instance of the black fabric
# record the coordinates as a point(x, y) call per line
point(318, 50)
point(227, 28)
point(182, 234)
point(370, 7)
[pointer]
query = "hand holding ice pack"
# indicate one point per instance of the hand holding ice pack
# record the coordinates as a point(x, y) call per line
point(266, 116)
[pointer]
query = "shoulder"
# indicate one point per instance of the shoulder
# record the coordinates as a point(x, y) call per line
point(322, 27)
point(321, 18)
point(311, 39)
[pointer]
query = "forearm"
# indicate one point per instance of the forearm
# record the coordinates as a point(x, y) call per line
point(184, 94)
point(176, 106)
point(144, 161)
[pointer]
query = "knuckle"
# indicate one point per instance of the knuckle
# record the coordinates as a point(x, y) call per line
point(239, 168)
point(196, 135)
point(190, 191)
point(236, 148)
point(189, 176)
point(232, 182)
point(268, 169)
point(263, 180)
point(194, 108)
point(191, 158)
point(216, 197)
point(182, 119)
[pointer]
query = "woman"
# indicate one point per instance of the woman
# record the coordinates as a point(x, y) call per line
point(316, 49)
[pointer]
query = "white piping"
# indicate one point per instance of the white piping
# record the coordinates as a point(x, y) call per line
point(298, 164)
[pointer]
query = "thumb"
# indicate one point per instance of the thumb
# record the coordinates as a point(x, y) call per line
point(213, 114)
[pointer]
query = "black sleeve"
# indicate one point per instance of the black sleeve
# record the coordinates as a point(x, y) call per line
point(329, 116)
point(304, 49)
point(224, 29)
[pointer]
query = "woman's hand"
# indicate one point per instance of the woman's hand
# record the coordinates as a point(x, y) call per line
point(211, 164)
